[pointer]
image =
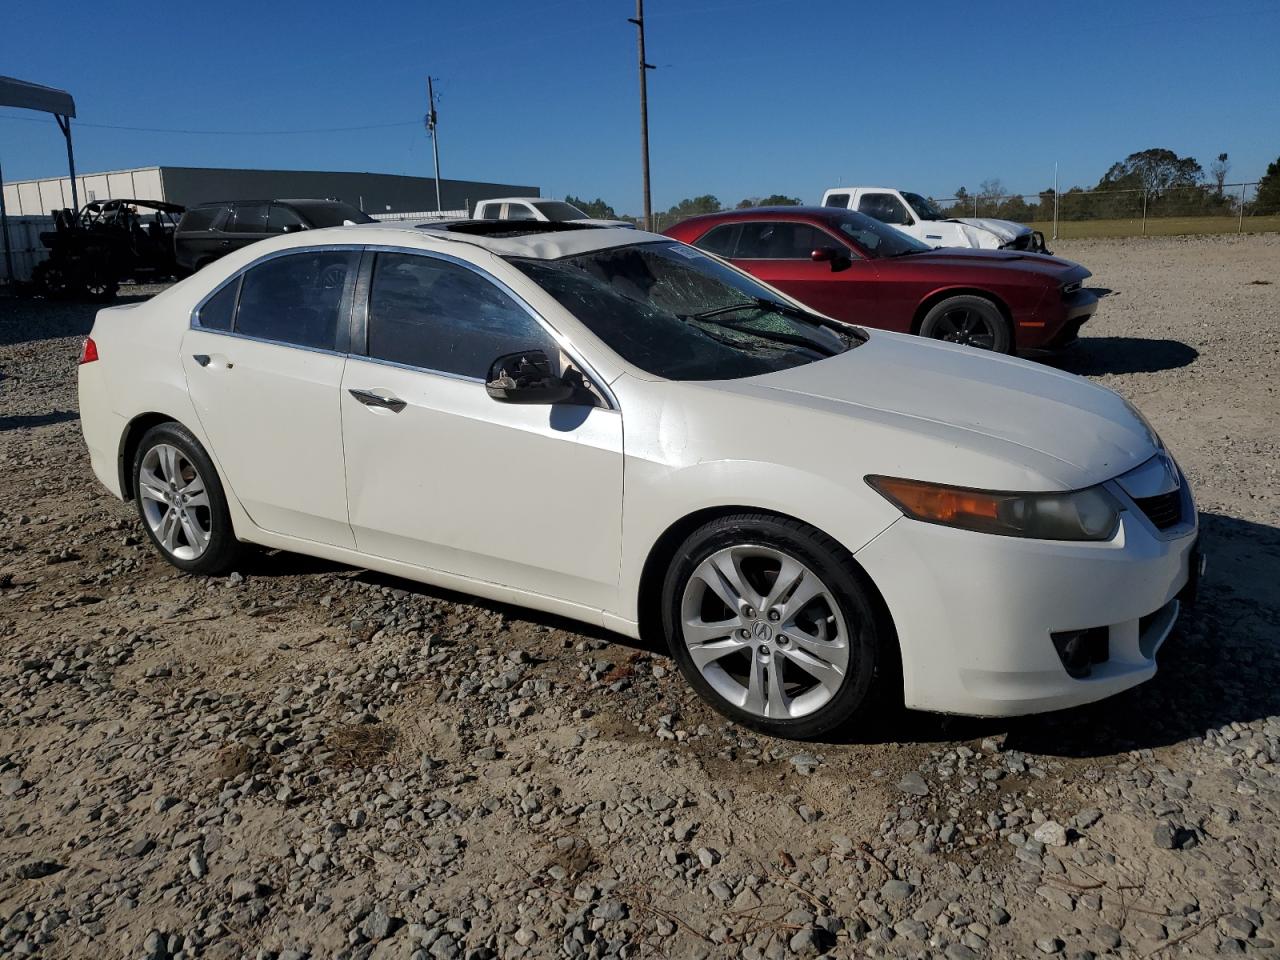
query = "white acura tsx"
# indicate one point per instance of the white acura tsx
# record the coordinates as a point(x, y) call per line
point(613, 426)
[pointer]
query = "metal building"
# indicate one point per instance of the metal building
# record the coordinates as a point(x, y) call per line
point(375, 193)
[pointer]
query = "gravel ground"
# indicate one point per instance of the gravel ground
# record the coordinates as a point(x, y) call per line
point(305, 760)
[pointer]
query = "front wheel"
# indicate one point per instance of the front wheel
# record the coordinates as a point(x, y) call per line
point(968, 320)
point(773, 624)
point(181, 502)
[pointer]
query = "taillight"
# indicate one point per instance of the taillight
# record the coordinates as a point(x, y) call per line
point(89, 352)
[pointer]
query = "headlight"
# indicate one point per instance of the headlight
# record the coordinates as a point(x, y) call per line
point(1090, 514)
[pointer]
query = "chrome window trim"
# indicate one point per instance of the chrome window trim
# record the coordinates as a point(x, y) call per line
point(564, 342)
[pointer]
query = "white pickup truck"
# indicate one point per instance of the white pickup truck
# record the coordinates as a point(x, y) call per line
point(539, 208)
point(917, 216)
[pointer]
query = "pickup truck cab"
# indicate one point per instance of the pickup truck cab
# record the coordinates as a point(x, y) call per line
point(541, 209)
point(918, 217)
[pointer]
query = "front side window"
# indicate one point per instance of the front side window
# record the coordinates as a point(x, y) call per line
point(676, 313)
point(884, 207)
point(296, 299)
point(779, 240)
point(248, 218)
point(281, 217)
point(434, 314)
point(875, 239)
point(925, 208)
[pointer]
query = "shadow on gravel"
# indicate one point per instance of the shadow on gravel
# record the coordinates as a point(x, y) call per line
point(1216, 668)
point(37, 420)
point(32, 319)
point(1094, 356)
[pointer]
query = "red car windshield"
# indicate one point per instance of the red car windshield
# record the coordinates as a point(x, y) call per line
point(874, 239)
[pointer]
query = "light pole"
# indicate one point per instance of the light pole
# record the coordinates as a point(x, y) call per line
point(435, 140)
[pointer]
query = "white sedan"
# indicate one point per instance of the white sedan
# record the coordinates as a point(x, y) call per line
point(613, 426)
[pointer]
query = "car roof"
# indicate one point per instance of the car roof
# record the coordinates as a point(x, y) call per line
point(825, 214)
point(523, 238)
point(512, 199)
point(311, 200)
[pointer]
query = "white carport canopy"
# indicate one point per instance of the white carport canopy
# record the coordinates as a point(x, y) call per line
point(33, 96)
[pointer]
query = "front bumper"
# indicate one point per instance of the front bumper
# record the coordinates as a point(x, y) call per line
point(1049, 336)
point(976, 614)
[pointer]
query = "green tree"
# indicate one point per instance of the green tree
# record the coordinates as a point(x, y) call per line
point(692, 207)
point(1156, 171)
point(1267, 200)
point(593, 208)
point(779, 200)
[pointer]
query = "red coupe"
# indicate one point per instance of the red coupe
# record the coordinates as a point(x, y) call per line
point(856, 269)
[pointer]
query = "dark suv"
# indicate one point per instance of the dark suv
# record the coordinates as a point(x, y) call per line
point(211, 230)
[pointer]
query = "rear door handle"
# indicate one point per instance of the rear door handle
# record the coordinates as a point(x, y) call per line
point(371, 399)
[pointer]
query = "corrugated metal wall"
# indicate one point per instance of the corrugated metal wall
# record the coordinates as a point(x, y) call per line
point(42, 197)
point(24, 237)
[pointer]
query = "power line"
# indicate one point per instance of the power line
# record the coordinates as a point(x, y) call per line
point(222, 133)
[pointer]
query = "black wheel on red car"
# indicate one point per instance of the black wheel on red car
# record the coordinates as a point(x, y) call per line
point(968, 320)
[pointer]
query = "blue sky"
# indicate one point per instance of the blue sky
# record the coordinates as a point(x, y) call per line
point(750, 97)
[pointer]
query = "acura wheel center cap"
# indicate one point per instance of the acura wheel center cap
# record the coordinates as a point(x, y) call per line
point(761, 631)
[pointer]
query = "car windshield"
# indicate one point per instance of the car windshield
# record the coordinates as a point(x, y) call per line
point(677, 313)
point(331, 213)
point(876, 240)
point(556, 210)
point(925, 208)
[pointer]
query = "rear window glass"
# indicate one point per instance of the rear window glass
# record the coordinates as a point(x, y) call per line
point(218, 309)
point(296, 299)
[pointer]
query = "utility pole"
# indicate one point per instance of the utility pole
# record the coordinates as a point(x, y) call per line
point(638, 20)
point(431, 132)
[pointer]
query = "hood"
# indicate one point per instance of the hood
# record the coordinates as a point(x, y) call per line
point(1058, 268)
point(970, 417)
point(1006, 230)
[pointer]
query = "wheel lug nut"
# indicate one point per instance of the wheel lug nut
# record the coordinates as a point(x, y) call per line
point(773, 615)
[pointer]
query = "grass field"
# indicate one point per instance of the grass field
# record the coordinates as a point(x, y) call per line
point(1157, 226)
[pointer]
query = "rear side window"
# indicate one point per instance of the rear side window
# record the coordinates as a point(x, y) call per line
point(518, 211)
point(217, 311)
point(296, 299)
point(491, 211)
point(837, 200)
point(248, 218)
point(779, 240)
point(201, 218)
point(436, 315)
point(721, 241)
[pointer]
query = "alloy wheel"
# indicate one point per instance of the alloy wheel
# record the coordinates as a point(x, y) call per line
point(764, 631)
point(175, 502)
point(966, 326)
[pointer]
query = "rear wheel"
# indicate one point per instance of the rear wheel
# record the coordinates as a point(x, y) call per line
point(181, 502)
point(772, 623)
point(968, 320)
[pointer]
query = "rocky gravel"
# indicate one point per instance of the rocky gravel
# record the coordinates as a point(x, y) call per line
point(303, 760)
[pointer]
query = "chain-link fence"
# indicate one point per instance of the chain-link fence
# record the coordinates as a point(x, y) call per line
point(1231, 208)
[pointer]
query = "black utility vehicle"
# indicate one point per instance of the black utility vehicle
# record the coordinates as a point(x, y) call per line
point(106, 242)
point(212, 230)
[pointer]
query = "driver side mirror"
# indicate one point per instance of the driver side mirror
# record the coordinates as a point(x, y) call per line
point(293, 228)
point(838, 259)
point(526, 378)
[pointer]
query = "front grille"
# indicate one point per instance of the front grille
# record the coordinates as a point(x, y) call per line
point(1164, 509)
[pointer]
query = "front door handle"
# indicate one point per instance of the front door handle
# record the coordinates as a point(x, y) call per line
point(205, 360)
point(371, 399)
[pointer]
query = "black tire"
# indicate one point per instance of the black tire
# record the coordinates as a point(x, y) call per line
point(99, 290)
point(223, 549)
point(872, 679)
point(970, 320)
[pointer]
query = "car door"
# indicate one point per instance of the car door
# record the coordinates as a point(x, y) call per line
point(263, 360)
point(779, 252)
point(247, 224)
point(442, 476)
